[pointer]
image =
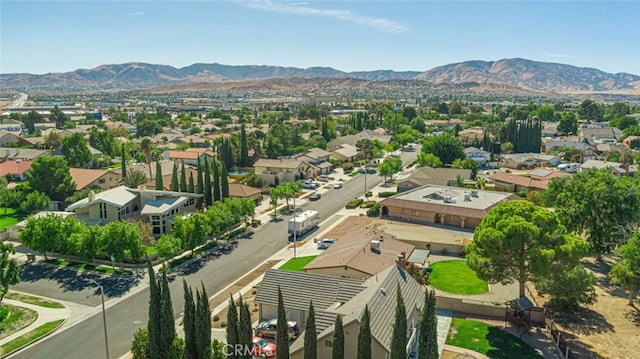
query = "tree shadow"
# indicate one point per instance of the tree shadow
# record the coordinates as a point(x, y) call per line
point(583, 321)
point(633, 315)
point(601, 271)
point(505, 345)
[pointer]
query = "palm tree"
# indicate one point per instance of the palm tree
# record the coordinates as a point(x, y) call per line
point(134, 179)
point(146, 145)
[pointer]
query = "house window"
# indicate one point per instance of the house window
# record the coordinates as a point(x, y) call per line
point(101, 181)
point(328, 343)
point(103, 210)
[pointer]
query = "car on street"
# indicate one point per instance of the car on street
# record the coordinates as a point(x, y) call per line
point(315, 196)
point(337, 185)
point(268, 329)
point(326, 243)
point(323, 178)
point(263, 348)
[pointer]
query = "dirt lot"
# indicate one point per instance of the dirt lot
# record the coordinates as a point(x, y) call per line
point(246, 297)
point(609, 328)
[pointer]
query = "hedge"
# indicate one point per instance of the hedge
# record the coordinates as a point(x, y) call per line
point(354, 204)
point(387, 194)
point(368, 204)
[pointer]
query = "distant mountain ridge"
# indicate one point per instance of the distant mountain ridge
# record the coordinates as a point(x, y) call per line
point(514, 73)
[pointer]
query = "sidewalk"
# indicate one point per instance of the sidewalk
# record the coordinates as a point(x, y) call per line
point(44, 315)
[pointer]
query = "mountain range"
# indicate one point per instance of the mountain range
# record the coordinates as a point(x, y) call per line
point(512, 73)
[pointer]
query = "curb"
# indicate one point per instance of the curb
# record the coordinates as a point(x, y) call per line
point(35, 340)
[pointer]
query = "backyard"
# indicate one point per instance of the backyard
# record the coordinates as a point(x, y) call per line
point(296, 264)
point(9, 217)
point(456, 277)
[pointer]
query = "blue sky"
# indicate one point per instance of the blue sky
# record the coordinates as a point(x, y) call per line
point(353, 35)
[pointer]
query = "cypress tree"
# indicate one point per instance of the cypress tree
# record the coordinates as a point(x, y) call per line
point(191, 187)
point(199, 185)
point(167, 321)
point(124, 162)
point(183, 179)
point(159, 185)
point(399, 338)
point(245, 332)
point(232, 329)
point(174, 178)
point(364, 335)
point(337, 348)
point(282, 330)
point(203, 325)
point(189, 324)
point(428, 340)
point(153, 325)
point(311, 335)
point(224, 183)
point(216, 181)
point(207, 184)
point(244, 148)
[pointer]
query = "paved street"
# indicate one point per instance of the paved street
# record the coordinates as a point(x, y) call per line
point(124, 317)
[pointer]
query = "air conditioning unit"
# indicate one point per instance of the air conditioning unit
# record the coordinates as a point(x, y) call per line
point(474, 193)
point(375, 245)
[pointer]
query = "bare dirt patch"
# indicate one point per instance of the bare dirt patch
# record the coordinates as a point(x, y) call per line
point(246, 297)
point(608, 329)
point(452, 355)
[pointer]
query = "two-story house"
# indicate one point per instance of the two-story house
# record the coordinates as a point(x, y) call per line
point(317, 157)
point(481, 156)
point(274, 172)
point(105, 179)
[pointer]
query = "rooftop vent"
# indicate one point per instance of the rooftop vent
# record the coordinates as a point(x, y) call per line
point(448, 200)
point(467, 197)
point(474, 193)
point(375, 245)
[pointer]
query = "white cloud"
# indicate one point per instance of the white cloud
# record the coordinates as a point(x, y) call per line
point(136, 13)
point(300, 8)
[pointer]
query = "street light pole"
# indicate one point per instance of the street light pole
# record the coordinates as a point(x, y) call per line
point(104, 315)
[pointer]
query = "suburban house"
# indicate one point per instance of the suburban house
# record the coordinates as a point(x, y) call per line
point(528, 160)
point(433, 176)
point(481, 156)
point(158, 208)
point(127, 126)
point(537, 180)
point(586, 150)
point(353, 139)
point(8, 138)
point(443, 205)
point(166, 167)
point(274, 172)
point(629, 139)
point(16, 168)
point(317, 157)
point(347, 297)
point(604, 134)
point(237, 190)
point(166, 178)
point(105, 179)
point(345, 153)
point(360, 254)
point(189, 157)
point(25, 154)
point(450, 124)
point(471, 135)
point(15, 127)
point(192, 141)
point(617, 168)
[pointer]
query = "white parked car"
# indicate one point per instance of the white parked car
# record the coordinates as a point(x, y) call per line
point(323, 178)
point(325, 243)
point(337, 185)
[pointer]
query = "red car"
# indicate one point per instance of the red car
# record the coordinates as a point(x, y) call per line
point(263, 348)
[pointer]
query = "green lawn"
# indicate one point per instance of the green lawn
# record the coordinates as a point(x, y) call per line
point(456, 277)
point(31, 336)
point(296, 264)
point(18, 318)
point(33, 300)
point(12, 217)
point(488, 340)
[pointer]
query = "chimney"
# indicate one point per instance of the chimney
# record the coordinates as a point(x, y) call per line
point(92, 196)
point(467, 197)
point(400, 261)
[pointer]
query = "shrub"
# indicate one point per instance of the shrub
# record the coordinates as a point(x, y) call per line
point(369, 194)
point(444, 251)
point(347, 166)
point(374, 211)
point(368, 204)
point(387, 194)
point(354, 204)
point(462, 252)
point(255, 222)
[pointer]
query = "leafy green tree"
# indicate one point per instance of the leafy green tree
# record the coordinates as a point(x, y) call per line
point(175, 185)
point(245, 330)
point(399, 340)
point(595, 203)
point(233, 338)
point(365, 146)
point(189, 323)
point(568, 286)
point(546, 114)
point(518, 242)
point(282, 330)
point(627, 270)
point(35, 202)
point(120, 239)
point(429, 159)
point(43, 234)
point(9, 269)
point(444, 146)
point(90, 243)
point(428, 341)
point(140, 344)
point(30, 119)
point(75, 150)
point(135, 178)
point(568, 124)
point(337, 345)
point(389, 167)
point(590, 111)
point(183, 179)
point(159, 184)
point(311, 335)
point(168, 246)
point(51, 176)
point(364, 335)
point(58, 117)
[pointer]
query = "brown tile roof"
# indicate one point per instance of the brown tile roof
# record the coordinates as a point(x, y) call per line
point(280, 163)
point(242, 191)
point(183, 155)
point(84, 176)
point(353, 250)
point(528, 182)
point(14, 167)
